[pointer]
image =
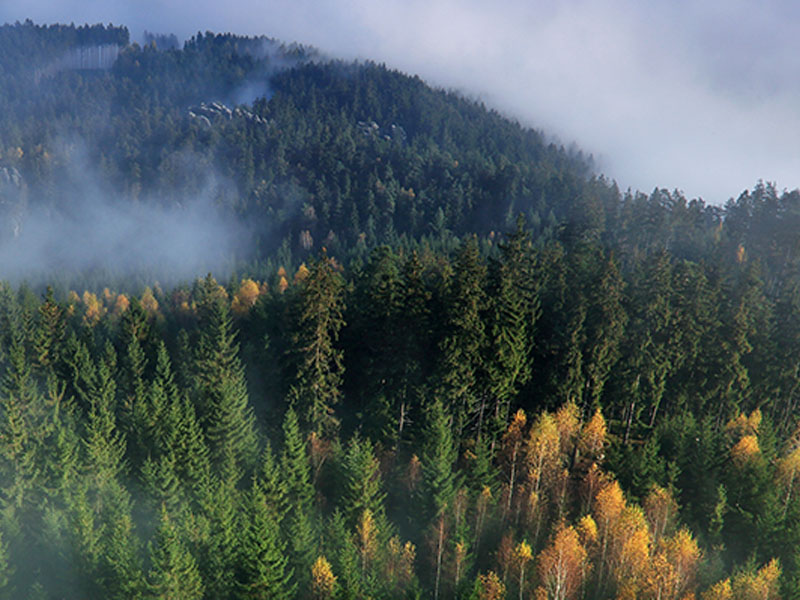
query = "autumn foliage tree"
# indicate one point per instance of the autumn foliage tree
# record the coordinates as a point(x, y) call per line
point(563, 566)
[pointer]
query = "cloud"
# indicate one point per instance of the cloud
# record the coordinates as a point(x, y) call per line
point(93, 230)
point(697, 96)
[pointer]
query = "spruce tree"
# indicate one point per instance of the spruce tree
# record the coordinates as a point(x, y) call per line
point(22, 426)
point(174, 574)
point(363, 486)
point(438, 462)
point(192, 457)
point(225, 412)
point(464, 345)
point(49, 333)
point(119, 568)
point(515, 311)
point(298, 522)
point(317, 387)
point(263, 572)
point(6, 571)
point(103, 443)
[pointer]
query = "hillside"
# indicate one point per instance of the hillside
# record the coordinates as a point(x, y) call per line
point(441, 357)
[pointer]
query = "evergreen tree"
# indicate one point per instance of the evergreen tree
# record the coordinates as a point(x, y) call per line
point(6, 571)
point(22, 427)
point(298, 521)
point(362, 481)
point(464, 346)
point(119, 568)
point(318, 384)
point(49, 333)
point(515, 310)
point(263, 567)
point(134, 415)
point(174, 574)
point(438, 460)
point(221, 388)
point(103, 443)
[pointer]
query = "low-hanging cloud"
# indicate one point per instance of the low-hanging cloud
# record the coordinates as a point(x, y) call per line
point(698, 96)
point(95, 230)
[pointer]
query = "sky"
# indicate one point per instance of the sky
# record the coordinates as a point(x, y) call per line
point(702, 96)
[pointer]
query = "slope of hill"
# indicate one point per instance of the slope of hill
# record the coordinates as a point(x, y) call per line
point(453, 362)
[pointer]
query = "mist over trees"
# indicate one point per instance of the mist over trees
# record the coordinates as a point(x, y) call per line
point(449, 361)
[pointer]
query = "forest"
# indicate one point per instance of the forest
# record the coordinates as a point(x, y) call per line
point(452, 361)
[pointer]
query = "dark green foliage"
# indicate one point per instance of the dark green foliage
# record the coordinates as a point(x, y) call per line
point(464, 345)
point(174, 573)
point(362, 481)
point(299, 496)
point(263, 571)
point(438, 461)
point(136, 445)
point(221, 390)
point(320, 363)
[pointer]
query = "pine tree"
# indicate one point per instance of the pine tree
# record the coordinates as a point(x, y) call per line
point(222, 395)
point(263, 567)
point(22, 426)
point(464, 345)
point(438, 461)
point(317, 387)
point(174, 574)
point(362, 481)
point(300, 496)
point(49, 333)
point(515, 311)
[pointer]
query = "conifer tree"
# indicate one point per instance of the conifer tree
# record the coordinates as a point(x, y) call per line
point(6, 571)
point(103, 442)
point(160, 480)
point(377, 366)
point(174, 574)
point(300, 496)
point(49, 333)
point(263, 572)
point(272, 483)
point(163, 406)
point(606, 319)
point(119, 566)
point(464, 345)
point(515, 311)
point(22, 424)
point(193, 463)
point(222, 395)
point(438, 460)
point(345, 556)
point(219, 550)
point(362, 481)
point(134, 415)
point(317, 388)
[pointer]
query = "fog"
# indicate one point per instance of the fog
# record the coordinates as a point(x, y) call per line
point(696, 96)
point(94, 230)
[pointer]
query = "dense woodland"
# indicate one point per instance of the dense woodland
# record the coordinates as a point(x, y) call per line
point(456, 363)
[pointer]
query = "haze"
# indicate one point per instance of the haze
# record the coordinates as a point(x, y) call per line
point(701, 97)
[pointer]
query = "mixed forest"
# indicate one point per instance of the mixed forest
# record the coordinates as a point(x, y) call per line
point(452, 362)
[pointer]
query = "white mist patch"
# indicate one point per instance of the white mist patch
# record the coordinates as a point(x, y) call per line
point(176, 242)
